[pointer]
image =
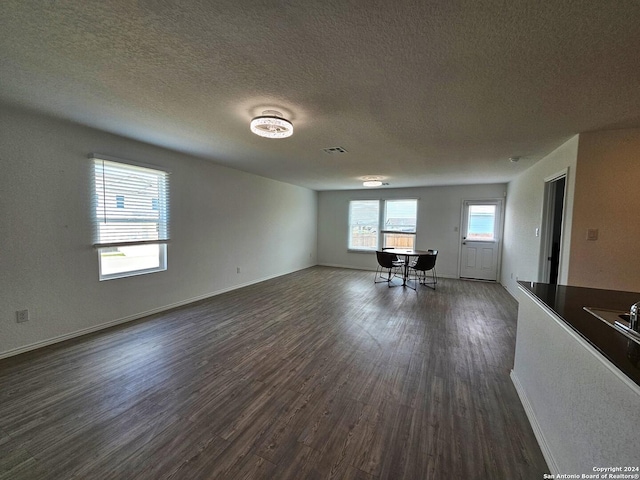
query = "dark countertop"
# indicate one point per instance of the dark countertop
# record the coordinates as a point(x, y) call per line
point(567, 303)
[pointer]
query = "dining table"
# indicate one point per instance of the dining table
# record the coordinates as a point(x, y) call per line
point(407, 253)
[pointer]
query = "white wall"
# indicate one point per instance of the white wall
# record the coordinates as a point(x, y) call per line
point(607, 198)
point(523, 214)
point(439, 212)
point(583, 410)
point(220, 219)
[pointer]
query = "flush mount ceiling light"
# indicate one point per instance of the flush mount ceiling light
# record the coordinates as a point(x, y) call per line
point(271, 125)
point(372, 182)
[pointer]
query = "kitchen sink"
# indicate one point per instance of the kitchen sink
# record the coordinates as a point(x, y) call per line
point(617, 319)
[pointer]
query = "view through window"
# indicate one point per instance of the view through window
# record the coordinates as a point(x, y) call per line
point(131, 217)
point(364, 217)
point(395, 228)
point(482, 221)
point(400, 219)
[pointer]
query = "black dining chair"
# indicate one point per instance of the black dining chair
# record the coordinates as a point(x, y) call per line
point(398, 257)
point(420, 267)
point(388, 262)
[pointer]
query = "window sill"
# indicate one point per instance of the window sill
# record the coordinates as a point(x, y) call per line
point(134, 273)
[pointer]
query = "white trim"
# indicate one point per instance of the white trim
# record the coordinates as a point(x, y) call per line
point(535, 426)
point(501, 204)
point(513, 294)
point(546, 218)
point(565, 233)
point(581, 341)
point(136, 316)
point(557, 176)
point(382, 213)
point(373, 269)
point(162, 267)
point(108, 158)
point(349, 202)
point(350, 267)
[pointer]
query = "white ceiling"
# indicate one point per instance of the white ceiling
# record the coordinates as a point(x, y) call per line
point(420, 92)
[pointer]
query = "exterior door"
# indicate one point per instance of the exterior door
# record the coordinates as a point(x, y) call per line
point(480, 238)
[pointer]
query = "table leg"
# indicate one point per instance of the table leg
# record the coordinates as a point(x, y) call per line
point(406, 271)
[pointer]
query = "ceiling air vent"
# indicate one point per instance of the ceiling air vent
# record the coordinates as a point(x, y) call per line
point(334, 150)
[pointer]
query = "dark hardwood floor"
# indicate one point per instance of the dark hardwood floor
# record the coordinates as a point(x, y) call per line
point(317, 374)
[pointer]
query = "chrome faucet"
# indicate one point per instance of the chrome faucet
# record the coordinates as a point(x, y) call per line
point(634, 321)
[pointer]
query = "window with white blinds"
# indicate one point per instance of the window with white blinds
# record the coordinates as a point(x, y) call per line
point(131, 218)
point(364, 220)
point(385, 223)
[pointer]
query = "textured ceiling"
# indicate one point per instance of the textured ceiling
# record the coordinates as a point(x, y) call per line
point(420, 92)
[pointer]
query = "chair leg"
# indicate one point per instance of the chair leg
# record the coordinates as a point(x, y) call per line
point(378, 273)
point(420, 278)
point(434, 279)
point(384, 279)
point(415, 279)
point(390, 283)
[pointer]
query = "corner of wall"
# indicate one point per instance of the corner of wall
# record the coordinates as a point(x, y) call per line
point(523, 214)
point(606, 200)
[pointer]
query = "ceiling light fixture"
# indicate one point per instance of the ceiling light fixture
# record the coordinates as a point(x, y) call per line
point(372, 181)
point(271, 125)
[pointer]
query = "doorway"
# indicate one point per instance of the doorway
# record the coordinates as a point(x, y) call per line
point(480, 237)
point(552, 221)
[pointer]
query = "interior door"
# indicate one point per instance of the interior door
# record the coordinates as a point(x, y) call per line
point(480, 238)
point(552, 221)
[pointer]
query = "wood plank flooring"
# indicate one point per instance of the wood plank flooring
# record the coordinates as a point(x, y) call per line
point(319, 374)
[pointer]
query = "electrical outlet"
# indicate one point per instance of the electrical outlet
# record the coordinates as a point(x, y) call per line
point(237, 269)
point(22, 316)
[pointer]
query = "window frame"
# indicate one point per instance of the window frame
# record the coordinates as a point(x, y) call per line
point(349, 228)
point(382, 211)
point(383, 222)
point(101, 217)
point(162, 264)
point(494, 231)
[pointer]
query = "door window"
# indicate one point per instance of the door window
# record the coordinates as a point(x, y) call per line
point(481, 224)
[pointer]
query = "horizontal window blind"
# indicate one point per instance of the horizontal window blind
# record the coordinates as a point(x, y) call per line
point(364, 216)
point(400, 216)
point(131, 204)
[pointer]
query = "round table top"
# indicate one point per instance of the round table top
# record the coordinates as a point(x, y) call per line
point(407, 251)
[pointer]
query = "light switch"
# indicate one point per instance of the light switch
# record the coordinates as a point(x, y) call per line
point(592, 234)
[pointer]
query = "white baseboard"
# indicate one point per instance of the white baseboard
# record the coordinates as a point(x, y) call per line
point(130, 318)
point(350, 267)
point(537, 431)
point(370, 269)
point(513, 294)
